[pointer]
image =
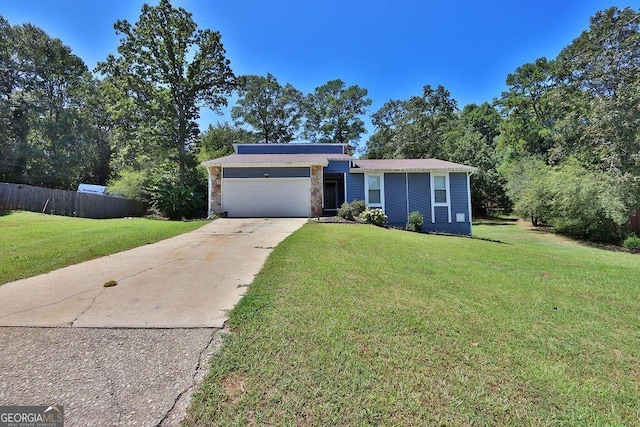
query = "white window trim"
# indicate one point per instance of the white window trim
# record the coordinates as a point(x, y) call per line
point(366, 191)
point(469, 203)
point(433, 196)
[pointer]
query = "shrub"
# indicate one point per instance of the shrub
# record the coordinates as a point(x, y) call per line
point(374, 216)
point(632, 242)
point(415, 222)
point(351, 210)
point(177, 201)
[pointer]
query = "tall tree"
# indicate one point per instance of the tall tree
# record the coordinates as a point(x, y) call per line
point(47, 136)
point(333, 113)
point(270, 109)
point(602, 65)
point(168, 69)
point(529, 108)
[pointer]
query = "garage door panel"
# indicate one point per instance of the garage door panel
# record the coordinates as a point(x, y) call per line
point(266, 197)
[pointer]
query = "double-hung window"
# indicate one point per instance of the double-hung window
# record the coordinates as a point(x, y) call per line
point(374, 190)
point(440, 195)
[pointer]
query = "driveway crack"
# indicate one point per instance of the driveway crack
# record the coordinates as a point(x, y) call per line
point(47, 305)
point(86, 309)
point(180, 403)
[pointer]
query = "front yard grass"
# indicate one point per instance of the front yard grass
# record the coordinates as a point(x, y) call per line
point(32, 243)
point(358, 325)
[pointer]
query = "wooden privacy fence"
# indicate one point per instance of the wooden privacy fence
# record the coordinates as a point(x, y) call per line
point(69, 203)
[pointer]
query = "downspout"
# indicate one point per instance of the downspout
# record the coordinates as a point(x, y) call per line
point(209, 185)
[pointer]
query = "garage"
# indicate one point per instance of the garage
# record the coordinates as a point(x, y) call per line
point(266, 197)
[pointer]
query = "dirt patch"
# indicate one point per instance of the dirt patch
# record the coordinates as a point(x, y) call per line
point(233, 385)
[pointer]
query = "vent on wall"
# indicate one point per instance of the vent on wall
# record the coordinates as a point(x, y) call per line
point(460, 217)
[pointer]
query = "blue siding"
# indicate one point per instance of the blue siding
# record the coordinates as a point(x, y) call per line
point(459, 204)
point(259, 172)
point(419, 195)
point(459, 195)
point(355, 186)
point(337, 166)
point(419, 191)
point(395, 199)
point(442, 214)
point(290, 149)
point(459, 199)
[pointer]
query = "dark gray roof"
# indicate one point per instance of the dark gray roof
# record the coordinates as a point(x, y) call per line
point(409, 165)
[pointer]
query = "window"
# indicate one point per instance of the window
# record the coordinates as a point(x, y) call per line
point(440, 197)
point(440, 189)
point(374, 190)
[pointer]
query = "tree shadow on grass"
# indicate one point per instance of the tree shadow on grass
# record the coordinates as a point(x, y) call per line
point(495, 221)
point(609, 247)
point(5, 213)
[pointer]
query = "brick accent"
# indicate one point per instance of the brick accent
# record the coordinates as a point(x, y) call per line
point(216, 190)
point(316, 191)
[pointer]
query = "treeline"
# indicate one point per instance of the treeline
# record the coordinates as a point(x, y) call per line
point(561, 146)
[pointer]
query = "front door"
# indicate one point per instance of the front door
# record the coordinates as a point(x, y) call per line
point(331, 195)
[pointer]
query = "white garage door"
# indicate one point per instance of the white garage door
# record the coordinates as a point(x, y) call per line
point(266, 197)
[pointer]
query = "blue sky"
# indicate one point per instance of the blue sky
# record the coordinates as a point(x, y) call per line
point(393, 48)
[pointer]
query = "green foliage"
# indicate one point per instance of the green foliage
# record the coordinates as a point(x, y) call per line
point(130, 184)
point(351, 210)
point(374, 216)
point(50, 132)
point(177, 201)
point(587, 204)
point(273, 111)
point(632, 242)
point(218, 141)
point(415, 222)
point(576, 201)
point(528, 188)
point(333, 113)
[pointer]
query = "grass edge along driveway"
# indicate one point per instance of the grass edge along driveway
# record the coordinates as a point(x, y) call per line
point(32, 243)
point(357, 325)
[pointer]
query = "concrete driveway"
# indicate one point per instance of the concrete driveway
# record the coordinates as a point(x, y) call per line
point(130, 354)
point(189, 281)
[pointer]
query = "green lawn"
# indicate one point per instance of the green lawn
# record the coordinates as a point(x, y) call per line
point(32, 243)
point(357, 325)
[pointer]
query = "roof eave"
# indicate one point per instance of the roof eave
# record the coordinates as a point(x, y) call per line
point(412, 170)
point(210, 163)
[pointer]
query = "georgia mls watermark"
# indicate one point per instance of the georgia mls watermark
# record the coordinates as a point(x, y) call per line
point(32, 416)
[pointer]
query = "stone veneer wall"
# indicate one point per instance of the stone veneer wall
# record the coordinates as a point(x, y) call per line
point(316, 191)
point(216, 189)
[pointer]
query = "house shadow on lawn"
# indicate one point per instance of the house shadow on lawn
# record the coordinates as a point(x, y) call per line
point(494, 221)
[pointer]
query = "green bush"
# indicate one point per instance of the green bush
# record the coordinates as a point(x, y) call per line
point(588, 204)
point(351, 210)
point(415, 222)
point(374, 216)
point(177, 201)
point(632, 242)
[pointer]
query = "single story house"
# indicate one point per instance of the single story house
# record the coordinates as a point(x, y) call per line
point(311, 180)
